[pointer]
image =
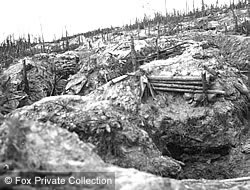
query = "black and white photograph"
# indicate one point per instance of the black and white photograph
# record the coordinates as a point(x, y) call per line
point(125, 94)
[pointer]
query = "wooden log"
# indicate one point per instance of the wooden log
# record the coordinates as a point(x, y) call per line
point(233, 180)
point(244, 72)
point(177, 86)
point(193, 83)
point(164, 52)
point(204, 85)
point(161, 53)
point(118, 79)
point(180, 78)
point(173, 47)
point(189, 90)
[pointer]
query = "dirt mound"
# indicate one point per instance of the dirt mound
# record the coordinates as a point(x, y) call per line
point(111, 126)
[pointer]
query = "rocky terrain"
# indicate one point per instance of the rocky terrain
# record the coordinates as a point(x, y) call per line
point(159, 111)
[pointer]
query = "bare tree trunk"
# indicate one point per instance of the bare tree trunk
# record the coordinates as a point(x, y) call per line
point(248, 75)
point(53, 71)
point(25, 80)
point(248, 114)
point(133, 54)
point(148, 29)
point(248, 32)
point(79, 40)
point(43, 45)
point(63, 46)
point(225, 25)
point(248, 8)
point(247, 22)
point(157, 41)
point(138, 31)
point(186, 7)
point(67, 41)
point(235, 20)
point(203, 8)
point(165, 8)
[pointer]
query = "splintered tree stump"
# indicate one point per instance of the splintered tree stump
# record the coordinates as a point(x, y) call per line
point(25, 80)
point(205, 87)
point(133, 54)
point(53, 71)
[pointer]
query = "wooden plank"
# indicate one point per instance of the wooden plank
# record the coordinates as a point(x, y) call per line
point(244, 72)
point(177, 86)
point(189, 90)
point(118, 79)
point(197, 83)
point(180, 78)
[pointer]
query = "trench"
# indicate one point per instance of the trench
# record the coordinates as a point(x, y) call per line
point(202, 162)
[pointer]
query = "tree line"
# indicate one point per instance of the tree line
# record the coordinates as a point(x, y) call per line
point(12, 48)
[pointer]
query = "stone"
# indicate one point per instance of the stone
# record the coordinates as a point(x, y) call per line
point(188, 96)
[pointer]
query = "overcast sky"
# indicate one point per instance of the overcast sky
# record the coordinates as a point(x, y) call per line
point(20, 17)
